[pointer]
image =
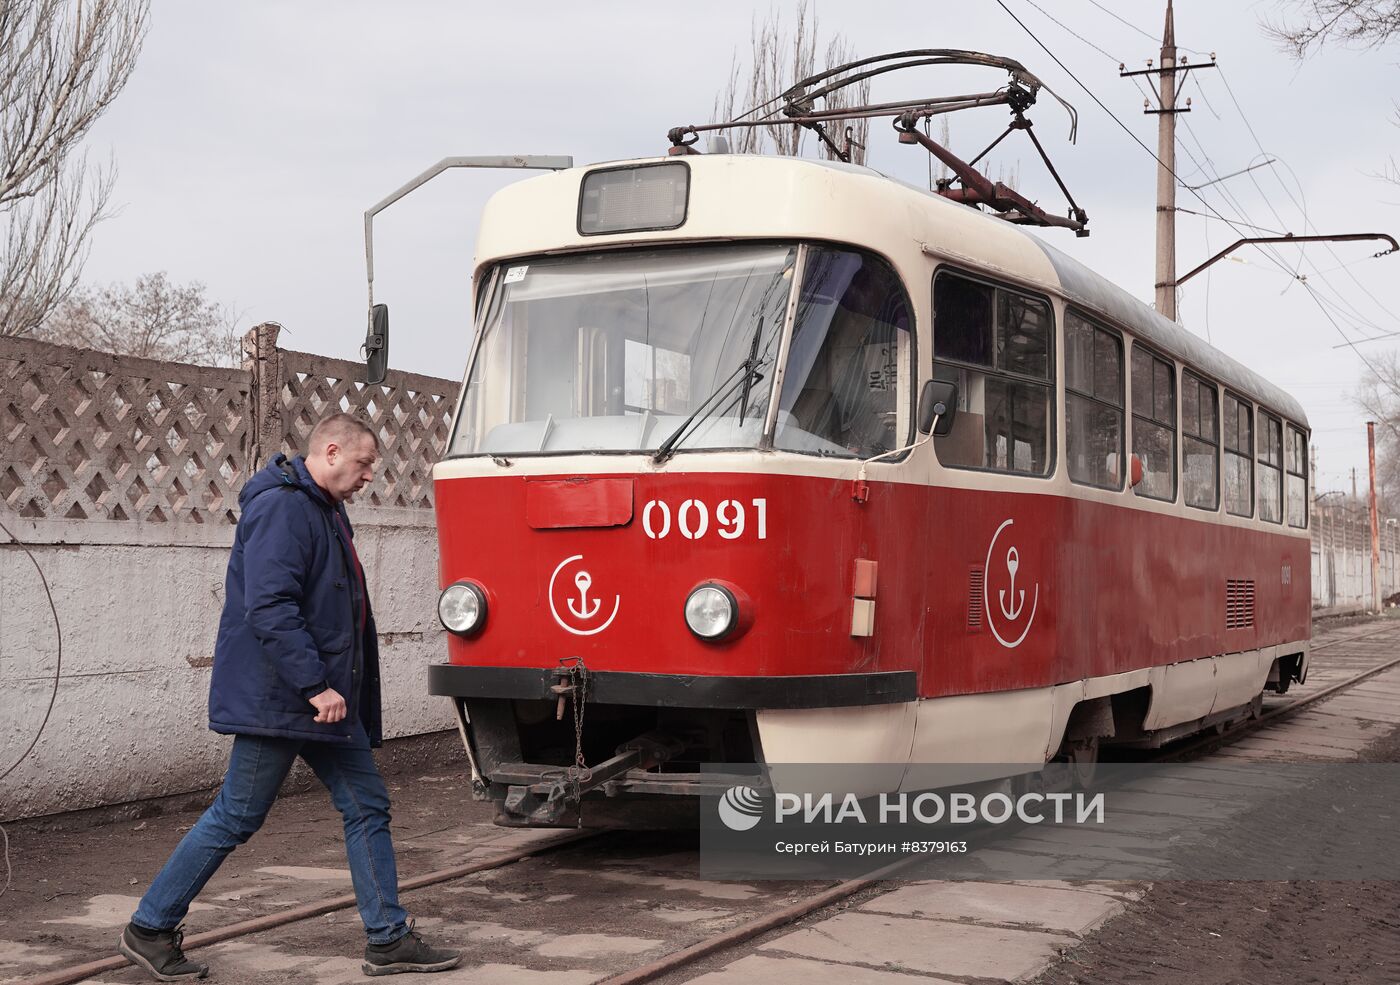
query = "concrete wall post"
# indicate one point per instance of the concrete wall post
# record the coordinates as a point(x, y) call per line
point(263, 359)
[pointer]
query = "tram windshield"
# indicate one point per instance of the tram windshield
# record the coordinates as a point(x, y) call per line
point(615, 351)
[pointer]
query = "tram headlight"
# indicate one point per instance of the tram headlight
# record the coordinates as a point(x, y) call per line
point(711, 611)
point(462, 607)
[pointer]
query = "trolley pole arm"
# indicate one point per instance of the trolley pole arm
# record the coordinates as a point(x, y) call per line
point(1290, 238)
point(980, 190)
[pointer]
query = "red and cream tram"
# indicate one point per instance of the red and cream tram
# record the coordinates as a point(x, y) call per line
point(692, 511)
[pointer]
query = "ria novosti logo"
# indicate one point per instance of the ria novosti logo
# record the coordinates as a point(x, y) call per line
point(741, 808)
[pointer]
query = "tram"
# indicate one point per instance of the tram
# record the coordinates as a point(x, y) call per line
point(766, 460)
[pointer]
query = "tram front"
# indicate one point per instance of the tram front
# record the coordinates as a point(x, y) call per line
point(654, 550)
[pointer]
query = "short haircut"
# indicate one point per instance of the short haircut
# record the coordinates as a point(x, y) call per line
point(339, 429)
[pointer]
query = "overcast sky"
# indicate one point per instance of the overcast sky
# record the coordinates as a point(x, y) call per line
point(253, 136)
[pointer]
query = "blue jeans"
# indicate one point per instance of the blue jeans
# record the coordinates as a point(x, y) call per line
point(256, 769)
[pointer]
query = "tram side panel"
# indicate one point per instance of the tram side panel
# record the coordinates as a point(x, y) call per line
point(1042, 590)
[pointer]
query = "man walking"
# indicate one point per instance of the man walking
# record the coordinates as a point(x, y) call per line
point(296, 673)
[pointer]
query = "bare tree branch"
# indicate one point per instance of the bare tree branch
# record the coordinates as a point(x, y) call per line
point(778, 58)
point(62, 62)
point(152, 318)
point(1366, 23)
point(1377, 399)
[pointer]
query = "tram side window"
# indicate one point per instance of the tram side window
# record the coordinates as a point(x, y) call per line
point(1239, 457)
point(1093, 403)
point(1200, 442)
point(1296, 453)
point(995, 343)
point(1154, 424)
point(846, 391)
point(1270, 468)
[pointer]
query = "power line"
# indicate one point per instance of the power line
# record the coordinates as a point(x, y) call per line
point(1145, 34)
point(1124, 22)
point(1099, 102)
point(1070, 30)
point(1248, 225)
point(1307, 223)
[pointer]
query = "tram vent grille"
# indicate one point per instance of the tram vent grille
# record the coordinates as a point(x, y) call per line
point(1239, 603)
point(975, 581)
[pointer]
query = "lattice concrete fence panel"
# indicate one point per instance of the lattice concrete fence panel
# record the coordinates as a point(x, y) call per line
point(93, 436)
point(411, 414)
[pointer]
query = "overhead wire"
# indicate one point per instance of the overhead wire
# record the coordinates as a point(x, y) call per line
point(1134, 137)
point(1339, 301)
point(1203, 215)
point(1307, 223)
point(1072, 31)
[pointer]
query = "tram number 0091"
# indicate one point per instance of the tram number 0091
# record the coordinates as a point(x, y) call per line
point(693, 519)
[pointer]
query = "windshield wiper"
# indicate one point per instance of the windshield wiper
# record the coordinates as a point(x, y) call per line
point(745, 374)
point(749, 380)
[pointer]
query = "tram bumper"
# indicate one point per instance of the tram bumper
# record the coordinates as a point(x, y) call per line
point(679, 690)
point(642, 737)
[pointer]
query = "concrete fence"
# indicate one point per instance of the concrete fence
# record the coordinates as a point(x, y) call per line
point(119, 485)
point(1341, 554)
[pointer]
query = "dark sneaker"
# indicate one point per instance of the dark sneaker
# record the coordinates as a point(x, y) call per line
point(408, 953)
point(159, 953)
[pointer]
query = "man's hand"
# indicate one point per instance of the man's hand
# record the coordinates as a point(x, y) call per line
point(330, 706)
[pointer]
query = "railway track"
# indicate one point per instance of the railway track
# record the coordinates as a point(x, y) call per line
point(560, 860)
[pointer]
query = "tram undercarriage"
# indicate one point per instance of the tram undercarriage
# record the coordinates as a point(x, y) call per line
point(535, 761)
point(545, 762)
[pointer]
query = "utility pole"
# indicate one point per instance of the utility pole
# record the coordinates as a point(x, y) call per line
point(1167, 89)
point(1166, 173)
point(1375, 522)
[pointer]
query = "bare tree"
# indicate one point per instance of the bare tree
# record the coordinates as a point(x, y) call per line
point(62, 62)
point(778, 59)
point(152, 318)
point(1379, 398)
point(1368, 23)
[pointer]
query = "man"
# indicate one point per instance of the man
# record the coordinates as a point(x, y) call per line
point(296, 673)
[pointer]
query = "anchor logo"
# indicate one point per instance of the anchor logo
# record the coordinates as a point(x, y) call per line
point(1013, 561)
point(580, 608)
point(583, 610)
point(1013, 611)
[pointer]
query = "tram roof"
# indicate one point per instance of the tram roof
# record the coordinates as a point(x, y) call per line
point(951, 223)
point(1098, 295)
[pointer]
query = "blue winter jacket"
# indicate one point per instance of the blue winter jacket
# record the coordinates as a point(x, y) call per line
point(291, 621)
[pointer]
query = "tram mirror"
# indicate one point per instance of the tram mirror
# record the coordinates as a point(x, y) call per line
point(376, 347)
point(938, 402)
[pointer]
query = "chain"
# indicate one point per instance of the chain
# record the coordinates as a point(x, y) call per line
point(577, 774)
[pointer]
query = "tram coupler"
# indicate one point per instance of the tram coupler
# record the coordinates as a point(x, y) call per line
point(560, 792)
point(571, 680)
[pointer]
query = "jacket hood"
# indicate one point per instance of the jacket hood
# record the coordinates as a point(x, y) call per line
point(281, 471)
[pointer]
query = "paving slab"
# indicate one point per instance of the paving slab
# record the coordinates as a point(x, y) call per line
point(709, 889)
point(1008, 904)
point(1354, 739)
point(1174, 806)
point(1130, 892)
point(112, 910)
point(235, 961)
point(759, 969)
point(935, 947)
point(1369, 708)
point(1346, 728)
point(308, 873)
point(1301, 745)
